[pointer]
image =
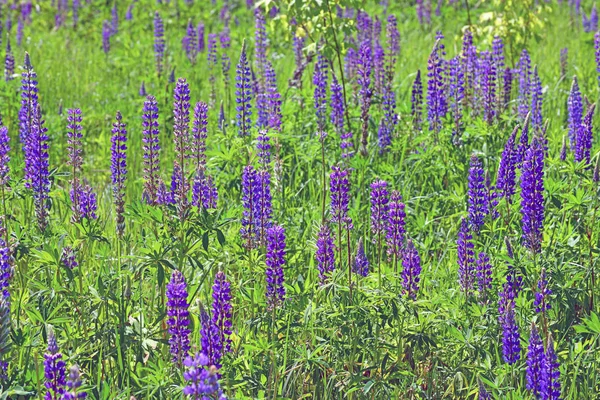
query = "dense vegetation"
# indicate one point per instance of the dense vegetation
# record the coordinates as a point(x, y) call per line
point(288, 199)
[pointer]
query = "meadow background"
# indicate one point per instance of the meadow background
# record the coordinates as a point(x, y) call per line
point(109, 314)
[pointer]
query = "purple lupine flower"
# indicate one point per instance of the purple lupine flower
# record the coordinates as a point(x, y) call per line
point(296, 80)
point(68, 258)
point(550, 384)
point(9, 62)
point(129, 12)
point(524, 101)
point(201, 382)
point(563, 149)
point(20, 26)
point(143, 90)
point(4, 156)
point(511, 345)
point(263, 149)
point(221, 312)
point(204, 191)
point(416, 101)
point(564, 60)
point(275, 259)
point(483, 394)
point(535, 361)
point(436, 101)
point(114, 20)
point(118, 168)
point(38, 173)
point(468, 57)
point(499, 65)
point(477, 196)
point(190, 42)
point(73, 385)
point(597, 53)
point(346, 145)
point(378, 53)
point(488, 86)
point(29, 105)
point(411, 270)
point(575, 111)
point(5, 273)
point(466, 257)
point(532, 195)
point(379, 207)
point(273, 98)
point(389, 120)
point(393, 45)
point(583, 142)
point(251, 191)
point(243, 95)
point(456, 92)
point(210, 339)
point(339, 189)
point(88, 202)
point(199, 135)
point(178, 317)
point(536, 101)
point(260, 40)
point(212, 64)
point(541, 303)
point(337, 105)
point(364, 69)
point(484, 274)
point(320, 92)
point(106, 33)
point(159, 42)
point(200, 36)
point(395, 226)
point(151, 147)
point(361, 262)
point(181, 138)
point(510, 289)
point(54, 370)
point(325, 254)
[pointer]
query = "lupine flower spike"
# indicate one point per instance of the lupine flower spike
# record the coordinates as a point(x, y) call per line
point(119, 170)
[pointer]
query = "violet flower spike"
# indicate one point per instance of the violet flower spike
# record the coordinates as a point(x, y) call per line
point(9, 62)
point(417, 102)
point(361, 262)
point(535, 362)
point(484, 275)
point(202, 381)
point(54, 370)
point(222, 308)
point(541, 302)
point(532, 196)
point(466, 257)
point(178, 317)
point(119, 170)
point(477, 196)
point(411, 270)
point(325, 254)
point(275, 259)
point(159, 42)
point(181, 138)
point(550, 384)
point(511, 346)
point(251, 191)
point(243, 95)
point(73, 385)
point(151, 147)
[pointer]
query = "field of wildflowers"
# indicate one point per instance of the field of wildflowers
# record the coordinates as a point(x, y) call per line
point(285, 199)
